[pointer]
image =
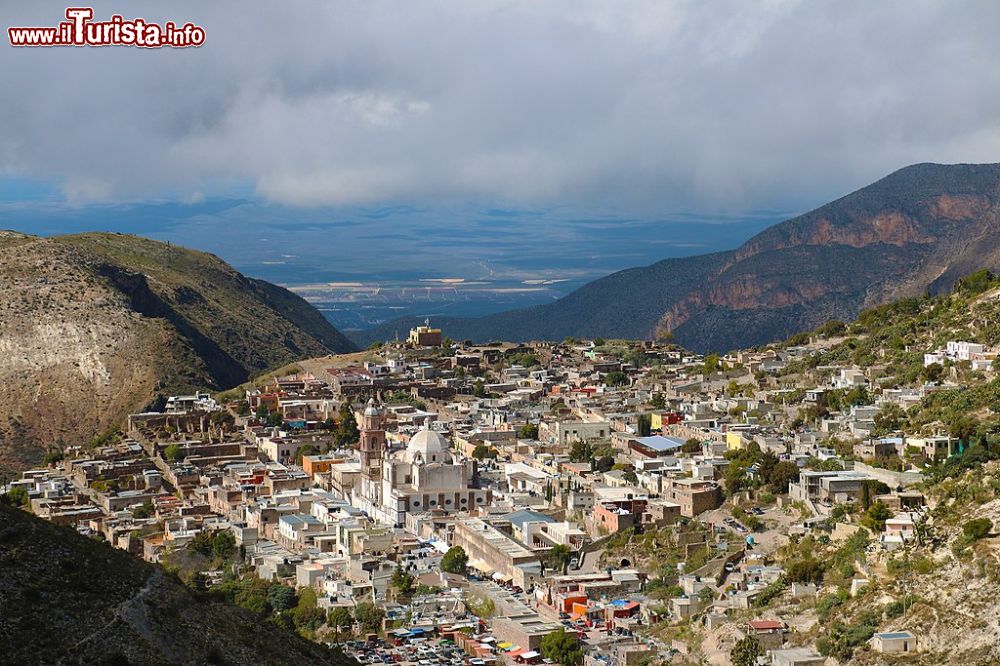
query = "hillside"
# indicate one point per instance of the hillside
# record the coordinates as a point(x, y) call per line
point(71, 600)
point(918, 229)
point(95, 326)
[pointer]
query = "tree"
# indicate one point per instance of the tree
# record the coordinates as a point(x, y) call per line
point(712, 364)
point(599, 342)
point(581, 451)
point(402, 581)
point(145, 511)
point(559, 557)
point(616, 378)
point(347, 433)
point(691, 445)
point(630, 477)
point(977, 528)
point(455, 561)
point(280, 597)
point(658, 401)
point(766, 464)
point(528, 431)
point(605, 463)
point(341, 620)
point(479, 389)
point(172, 452)
point(369, 617)
point(307, 615)
point(781, 475)
point(745, 652)
point(52, 457)
point(876, 516)
point(223, 545)
point(482, 452)
point(645, 425)
point(562, 647)
point(16, 496)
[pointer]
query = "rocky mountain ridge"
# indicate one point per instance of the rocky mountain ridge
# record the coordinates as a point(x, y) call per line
point(96, 326)
point(918, 229)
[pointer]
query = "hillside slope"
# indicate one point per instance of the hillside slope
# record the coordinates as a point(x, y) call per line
point(95, 326)
point(71, 600)
point(919, 228)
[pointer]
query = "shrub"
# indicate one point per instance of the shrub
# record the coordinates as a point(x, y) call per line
point(977, 528)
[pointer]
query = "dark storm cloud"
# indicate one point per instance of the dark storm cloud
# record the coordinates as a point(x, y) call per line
point(640, 104)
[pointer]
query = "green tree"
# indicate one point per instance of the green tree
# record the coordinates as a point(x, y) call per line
point(562, 647)
point(347, 433)
point(876, 516)
point(645, 425)
point(369, 617)
point(605, 463)
point(402, 581)
point(528, 431)
point(482, 452)
point(781, 475)
point(172, 452)
point(616, 378)
point(16, 496)
point(307, 615)
point(658, 401)
point(280, 597)
point(745, 652)
point(223, 545)
point(630, 477)
point(145, 511)
point(479, 389)
point(52, 457)
point(559, 557)
point(340, 620)
point(455, 561)
point(712, 364)
point(581, 451)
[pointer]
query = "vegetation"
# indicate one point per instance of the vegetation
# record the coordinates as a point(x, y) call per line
point(455, 561)
point(745, 652)
point(562, 647)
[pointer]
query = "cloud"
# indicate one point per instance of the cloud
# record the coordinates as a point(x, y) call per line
point(646, 105)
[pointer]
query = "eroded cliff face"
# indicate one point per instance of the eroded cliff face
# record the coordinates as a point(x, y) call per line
point(98, 326)
point(898, 237)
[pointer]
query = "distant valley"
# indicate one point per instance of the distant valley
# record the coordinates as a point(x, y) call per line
point(918, 229)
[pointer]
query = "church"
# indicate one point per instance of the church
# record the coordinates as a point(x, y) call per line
point(422, 477)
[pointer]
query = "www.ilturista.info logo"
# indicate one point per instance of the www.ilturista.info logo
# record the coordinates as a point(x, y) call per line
point(81, 30)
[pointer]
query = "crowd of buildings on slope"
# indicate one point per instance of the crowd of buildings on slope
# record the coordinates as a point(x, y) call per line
point(462, 446)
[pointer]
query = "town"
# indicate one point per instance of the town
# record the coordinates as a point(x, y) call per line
point(600, 502)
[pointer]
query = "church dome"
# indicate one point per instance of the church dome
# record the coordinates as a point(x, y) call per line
point(428, 446)
point(372, 409)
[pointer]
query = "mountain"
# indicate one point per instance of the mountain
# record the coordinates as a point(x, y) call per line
point(95, 326)
point(918, 229)
point(72, 600)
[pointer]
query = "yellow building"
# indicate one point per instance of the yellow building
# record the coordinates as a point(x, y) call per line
point(425, 336)
point(734, 441)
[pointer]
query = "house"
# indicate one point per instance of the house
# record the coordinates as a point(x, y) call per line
point(892, 642)
point(769, 633)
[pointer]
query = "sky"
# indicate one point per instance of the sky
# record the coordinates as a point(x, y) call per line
point(645, 107)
